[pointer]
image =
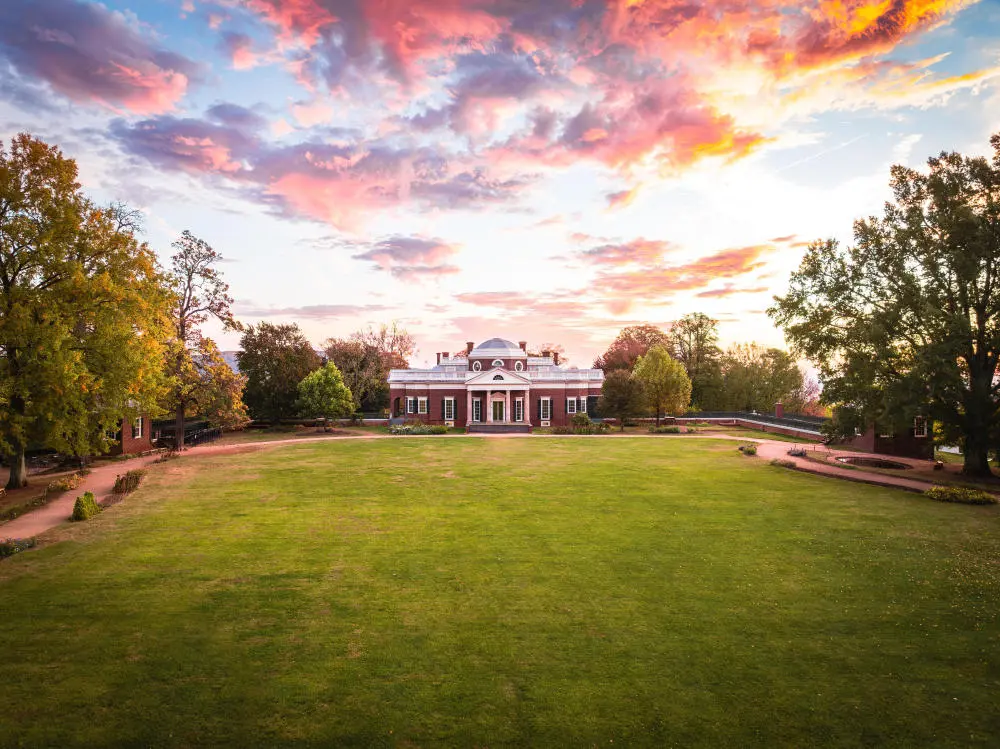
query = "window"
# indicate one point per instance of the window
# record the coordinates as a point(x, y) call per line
point(137, 429)
point(545, 408)
point(477, 410)
point(421, 405)
point(498, 378)
point(583, 405)
point(449, 409)
point(571, 405)
point(477, 366)
point(498, 362)
point(411, 405)
point(920, 427)
point(519, 366)
point(519, 409)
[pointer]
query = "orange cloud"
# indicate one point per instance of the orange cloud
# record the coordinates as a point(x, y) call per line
point(655, 281)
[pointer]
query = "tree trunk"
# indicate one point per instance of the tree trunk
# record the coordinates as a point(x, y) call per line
point(18, 471)
point(977, 462)
point(179, 426)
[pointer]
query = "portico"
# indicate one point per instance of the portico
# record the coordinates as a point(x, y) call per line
point(494, 387)
point(498, 405)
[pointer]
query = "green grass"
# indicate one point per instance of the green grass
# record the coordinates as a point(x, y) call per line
point(531, 592)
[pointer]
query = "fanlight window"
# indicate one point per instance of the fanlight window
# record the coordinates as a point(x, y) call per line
point(498, 378)
point(498, 362)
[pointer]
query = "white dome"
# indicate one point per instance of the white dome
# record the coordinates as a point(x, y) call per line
point(497, 347)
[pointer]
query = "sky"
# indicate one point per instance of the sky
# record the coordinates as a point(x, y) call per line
point(540, 170)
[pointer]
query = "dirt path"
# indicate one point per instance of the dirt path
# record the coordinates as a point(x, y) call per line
point(102, 479)
point(769, 450)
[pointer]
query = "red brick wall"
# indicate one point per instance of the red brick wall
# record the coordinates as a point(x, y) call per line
point(130, 444)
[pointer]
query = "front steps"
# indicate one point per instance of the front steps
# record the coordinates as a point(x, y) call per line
point(487, 428)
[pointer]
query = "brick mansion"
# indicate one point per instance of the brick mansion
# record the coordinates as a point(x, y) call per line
point(495, 387)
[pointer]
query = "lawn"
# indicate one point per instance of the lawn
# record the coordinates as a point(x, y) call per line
point(518, 592)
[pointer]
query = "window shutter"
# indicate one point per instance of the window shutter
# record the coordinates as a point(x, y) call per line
point(442, 409)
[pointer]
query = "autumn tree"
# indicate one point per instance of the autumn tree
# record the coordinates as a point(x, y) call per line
point(631, 344)
point(694, 343)
point(622, 396)
point(664, 382)
point(216, 391)
point(365, 359)
point(323, 394)
point(81, 311)
point(906, 321)
point(199, 295)
point(756, 377)
point(274, 359)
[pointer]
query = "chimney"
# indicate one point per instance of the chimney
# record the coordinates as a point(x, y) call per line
point(469, 345)
point(555, 357)
point(523, 345)
point(779, 410)
point(546, 353)
point(439, 359)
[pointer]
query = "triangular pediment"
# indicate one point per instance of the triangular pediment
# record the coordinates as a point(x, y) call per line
point(506, 378)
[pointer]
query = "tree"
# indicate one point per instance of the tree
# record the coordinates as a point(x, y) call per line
point(694, 343)
point(81, 311)
point(906, 321)
point(629, 346)
point(755, 378)
point(200, 294)
point(806, 399)
point(274, 359)
point(323, 394)
point(216, 391)
point(365, 359)
point(361, 366)
point(622, 396)
point(664, 381)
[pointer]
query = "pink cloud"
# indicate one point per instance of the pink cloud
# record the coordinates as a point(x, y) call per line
point(91, 54)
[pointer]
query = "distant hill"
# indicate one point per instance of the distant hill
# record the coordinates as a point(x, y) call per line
point(230, 357)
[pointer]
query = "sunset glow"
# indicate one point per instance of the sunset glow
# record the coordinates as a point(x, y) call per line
point(543, 171)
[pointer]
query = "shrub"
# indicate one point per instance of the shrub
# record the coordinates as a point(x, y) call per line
point(664, 430)
point(961, 495)
point(168, 456)
point(750, 448)
point(783, 463)
point(129, 482)
point(580, 420)
point(11, 546)
point(691, 430)
point(65, 484)
point(417, 429)
point(85, 507)
point(562, 430)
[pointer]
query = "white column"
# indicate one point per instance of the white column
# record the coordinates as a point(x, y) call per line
point(489, 406)
point(506, 405)
point(468, 407)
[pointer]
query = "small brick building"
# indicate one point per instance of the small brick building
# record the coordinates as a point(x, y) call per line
point(135, 437)
point(915, 442)
point(495, 387)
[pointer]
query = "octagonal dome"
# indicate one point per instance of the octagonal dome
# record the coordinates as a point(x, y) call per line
point(497, 347)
